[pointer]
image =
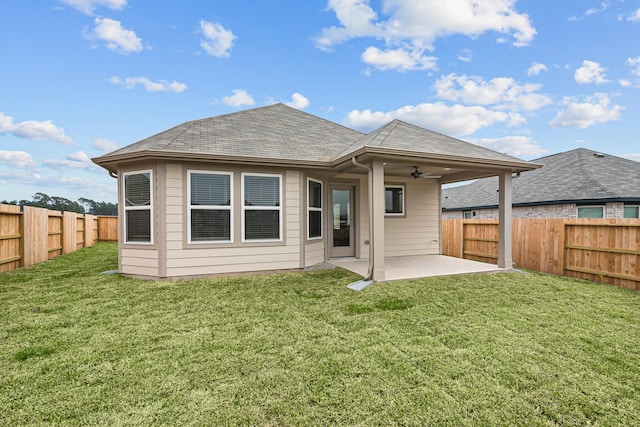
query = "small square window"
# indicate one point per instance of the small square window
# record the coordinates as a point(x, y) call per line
point(590, 212)
point(632, 211)
point(394, 200)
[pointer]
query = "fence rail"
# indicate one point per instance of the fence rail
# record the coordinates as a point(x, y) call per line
point(601, 250)
point(31, 235)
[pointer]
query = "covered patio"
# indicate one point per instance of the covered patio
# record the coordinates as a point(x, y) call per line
point(415, 267)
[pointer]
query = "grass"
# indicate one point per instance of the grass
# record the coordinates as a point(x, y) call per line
point(80, 348)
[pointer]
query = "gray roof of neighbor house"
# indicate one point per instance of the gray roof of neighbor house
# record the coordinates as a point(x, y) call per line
point(278, 133)
point(578, 175)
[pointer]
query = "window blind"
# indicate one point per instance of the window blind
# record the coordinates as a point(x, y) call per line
point(137, 189)
point(261, 190)
point(210, 189)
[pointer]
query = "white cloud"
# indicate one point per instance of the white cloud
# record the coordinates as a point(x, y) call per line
point(77, 160)
point(465, 56)
point(89, 6)
point(217, 40)
point(518, 146)
point(150, 86)
point(603, 6)
point(239, 98)
point(624, 82)
point(32, 129)
point(634, 17)
point(502, 92)
point(634, 63)
point(115, 37)
point(18, 159)
point(419, 23)
point(22, 177)
point(103, 144)
point(398, 59)
point(590, 72)
point(595, 109)
point(456, 120)
point(298, 101)
point(536, 68)
point(631, 156)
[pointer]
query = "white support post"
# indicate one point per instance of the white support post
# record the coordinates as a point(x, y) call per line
point(377, 217)
point(505, 256)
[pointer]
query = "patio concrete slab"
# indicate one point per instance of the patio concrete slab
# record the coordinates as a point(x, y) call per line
point(414, 267)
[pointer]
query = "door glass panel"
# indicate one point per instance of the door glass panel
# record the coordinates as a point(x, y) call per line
point(341, 218)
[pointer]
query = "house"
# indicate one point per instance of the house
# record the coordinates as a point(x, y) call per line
point(575, 184)
point(275, 188)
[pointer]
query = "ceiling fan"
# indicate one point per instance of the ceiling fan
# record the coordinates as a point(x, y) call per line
point(416, 174)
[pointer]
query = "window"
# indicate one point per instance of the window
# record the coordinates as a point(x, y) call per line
point(590, 212)
point(314, 209)
point(632, 212)
point(261, 207)
point(467, 215)
point(138, 194)
point(393, 200)
point(210, 207)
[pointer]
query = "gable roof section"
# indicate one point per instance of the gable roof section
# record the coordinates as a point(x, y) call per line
point(578, 175)
point(406, 137)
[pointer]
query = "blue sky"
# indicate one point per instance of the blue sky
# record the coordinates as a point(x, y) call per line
point(80, 78)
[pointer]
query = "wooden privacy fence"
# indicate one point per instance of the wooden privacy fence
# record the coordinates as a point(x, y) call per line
point(33, 235)
point(601, 250)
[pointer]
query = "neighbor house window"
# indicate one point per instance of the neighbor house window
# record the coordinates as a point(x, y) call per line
point(393, 200)
point(314, 209)
point(632, 211)
point(210, 206)
point(590, 211)
point(138, 194)
point(261, 207)
point(467, 215)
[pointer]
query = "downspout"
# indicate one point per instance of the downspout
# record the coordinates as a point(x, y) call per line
point(370, 199)
point(113, 174)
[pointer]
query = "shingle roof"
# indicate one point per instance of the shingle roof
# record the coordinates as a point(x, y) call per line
point(281, 133)
point(572, 176)
point(399, 135)
point(275, 131)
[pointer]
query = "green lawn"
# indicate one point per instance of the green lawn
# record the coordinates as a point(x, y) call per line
point(80, 348)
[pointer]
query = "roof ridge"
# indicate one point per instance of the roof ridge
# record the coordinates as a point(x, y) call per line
point(394, 124)
point(588, 175)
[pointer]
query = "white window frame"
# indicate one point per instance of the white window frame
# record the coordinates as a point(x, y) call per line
point(209, 207)
point(266, 208)
point(132, 208)
point(314, 209)
point(631, 206)
point(589, 206)
point(404, 201)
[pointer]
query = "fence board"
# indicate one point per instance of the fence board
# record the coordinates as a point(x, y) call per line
point(34, 224)
point(54, 235)
point(33, 235)
point(10, 237)
point(108, 228)
point(602, 250)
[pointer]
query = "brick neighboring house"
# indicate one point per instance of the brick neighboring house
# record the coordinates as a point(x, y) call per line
point(575, 184)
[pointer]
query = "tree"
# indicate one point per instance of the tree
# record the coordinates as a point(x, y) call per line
point(56, 203)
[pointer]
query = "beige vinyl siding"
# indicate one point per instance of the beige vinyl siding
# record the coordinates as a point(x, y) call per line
point(314, 253)
point(190, 260)
point(139, 262)
point(418, 232)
